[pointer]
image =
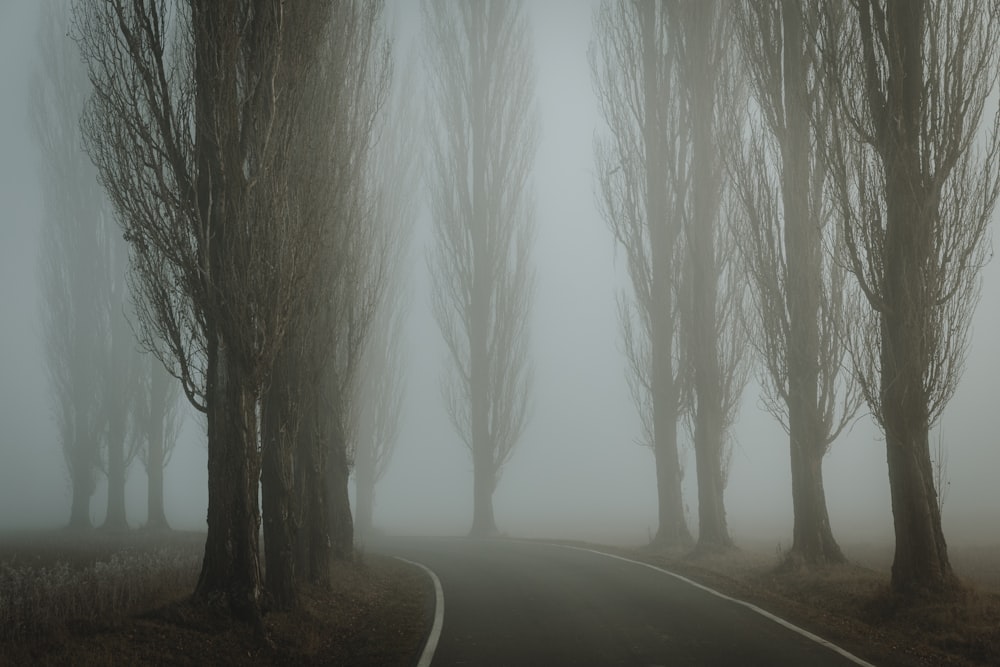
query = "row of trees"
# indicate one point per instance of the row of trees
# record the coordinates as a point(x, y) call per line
point(112, 403)
point(264, 199)
point(662, 74)
point(246, 155)
point(837, 161)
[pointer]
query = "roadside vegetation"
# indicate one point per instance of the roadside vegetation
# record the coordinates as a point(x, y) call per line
point(112, 598)
point(851, 604)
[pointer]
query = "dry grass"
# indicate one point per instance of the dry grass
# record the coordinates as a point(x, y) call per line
point(52, 582)
point(103, 599)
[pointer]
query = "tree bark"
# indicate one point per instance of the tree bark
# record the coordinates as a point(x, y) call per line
point(338, 473)
point(313, 547)
point(320, 552)
point(231, 567)
point(921, 558)
point(276, 492)
point(673, 529)
point(230, 570)
point(713, 534)
point(812, 537)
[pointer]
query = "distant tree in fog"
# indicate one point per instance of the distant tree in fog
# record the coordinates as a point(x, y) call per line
point(483, 140)
point(378, 406)
point(156, 425)
point(916, 179)
point(392, 180)
point(787, 237)
point(77, 261)
point(712, 328)
point(642, 181)
point(123, 367)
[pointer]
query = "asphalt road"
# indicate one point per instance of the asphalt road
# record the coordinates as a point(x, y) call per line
point(521, 603)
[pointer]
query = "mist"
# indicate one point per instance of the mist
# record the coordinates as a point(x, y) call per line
point(578, 471)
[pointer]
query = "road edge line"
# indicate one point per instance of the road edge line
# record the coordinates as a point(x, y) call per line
point(752, 607)
point(430, 645)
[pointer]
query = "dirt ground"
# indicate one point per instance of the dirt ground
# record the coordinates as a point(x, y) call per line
point(99, 599)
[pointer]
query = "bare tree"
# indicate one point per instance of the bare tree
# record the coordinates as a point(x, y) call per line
point(482, 146)
point(156, 426)
point(122, 369)
point(787, 241)
point(713, 331)
point(917, 178)
point(188, 125)
point(377, 404)
point(642, 180)
point(360, 267)
point(76, 235)
point(305, 471)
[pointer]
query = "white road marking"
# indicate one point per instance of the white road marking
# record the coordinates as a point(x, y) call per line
point(752, 607)
point(432, 639)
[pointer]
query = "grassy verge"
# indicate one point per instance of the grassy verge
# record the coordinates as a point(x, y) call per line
point(122, 599)
point(850, 605)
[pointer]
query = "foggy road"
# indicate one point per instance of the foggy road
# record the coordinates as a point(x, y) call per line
point(517, 603)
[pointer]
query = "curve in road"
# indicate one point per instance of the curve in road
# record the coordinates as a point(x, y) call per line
point(529, 603)
point(427, 655)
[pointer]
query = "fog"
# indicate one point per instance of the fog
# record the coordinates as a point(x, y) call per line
point(577, 471)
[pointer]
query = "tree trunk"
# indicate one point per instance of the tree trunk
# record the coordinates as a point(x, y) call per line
point(156, 518)
point(82, 481)
point(483, 522)
point(483, 448)
point(312, 543)
point(364, 484)
point(115, 518)
point(921, 559)
point(304, 480)
point(230, 571)
point(276, 493)
point(713, 533)
point(812, 540)
point(672, 529)
point(338, 473)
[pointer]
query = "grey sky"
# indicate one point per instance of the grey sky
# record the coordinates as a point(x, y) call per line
point(577, 465)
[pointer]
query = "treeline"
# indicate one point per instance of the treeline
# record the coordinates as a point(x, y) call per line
point(111, 403)
point(227, 216)
point(801, 188)
point(810, 181)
